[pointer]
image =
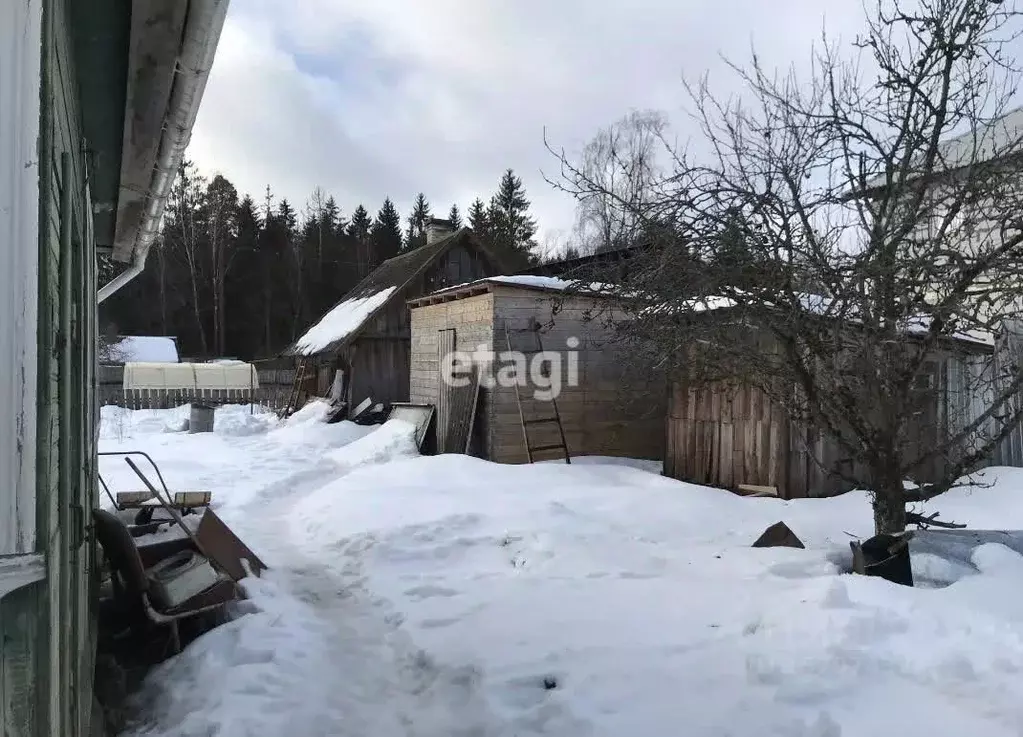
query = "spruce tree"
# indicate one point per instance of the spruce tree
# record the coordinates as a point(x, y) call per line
point(362, 244)
point(511, 226)
point(455, 217)
point(385, 233)
point(478, 218)
point(416, 234)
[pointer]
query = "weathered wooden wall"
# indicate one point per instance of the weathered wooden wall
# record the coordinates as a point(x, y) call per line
point(67, 337)
point(379, 370)
point(23, 624)
point(970, 391)
point(601, 414)
point(472, 319)
point(47, 629)
point(613, 409)
point(727, 435)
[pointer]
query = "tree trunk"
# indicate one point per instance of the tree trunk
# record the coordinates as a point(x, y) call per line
point(889, 509)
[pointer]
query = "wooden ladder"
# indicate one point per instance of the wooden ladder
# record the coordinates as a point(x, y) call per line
point(554, 418)
point(296, 389)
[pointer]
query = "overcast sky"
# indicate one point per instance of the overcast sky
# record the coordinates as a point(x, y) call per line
point(375, 98)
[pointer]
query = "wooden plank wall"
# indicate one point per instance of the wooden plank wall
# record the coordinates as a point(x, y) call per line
point(460, 407)
point(608, 412)
point(379, 370)
point(727, 435)
point(60, 478)
point(47, 632)
point(24, 668)
point(445, 346)
point(472, 320)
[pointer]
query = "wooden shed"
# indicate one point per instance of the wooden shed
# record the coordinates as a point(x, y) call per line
point(364, 338)
point(602, 412)
point(729, 434)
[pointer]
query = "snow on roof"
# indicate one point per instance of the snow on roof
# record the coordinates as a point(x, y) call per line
point(530, 281)
point(392, 276)
point(143, 348)
point(816, 304)
point(552, 283)
point(342, 320)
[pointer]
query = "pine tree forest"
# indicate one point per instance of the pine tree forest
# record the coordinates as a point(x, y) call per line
point(236, 276)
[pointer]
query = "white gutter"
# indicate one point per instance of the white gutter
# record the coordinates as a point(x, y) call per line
point(198, 48)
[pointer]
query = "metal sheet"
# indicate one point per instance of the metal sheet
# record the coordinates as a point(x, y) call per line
point(417, 414)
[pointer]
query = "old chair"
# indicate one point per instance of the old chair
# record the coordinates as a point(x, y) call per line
point(182, 586)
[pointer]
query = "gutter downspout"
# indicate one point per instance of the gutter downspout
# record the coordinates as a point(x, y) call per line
point(198, 48)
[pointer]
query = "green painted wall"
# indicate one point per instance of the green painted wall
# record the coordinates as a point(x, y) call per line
point(47, 630)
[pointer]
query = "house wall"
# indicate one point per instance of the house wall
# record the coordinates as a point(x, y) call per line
point(47, 628)
point(22, 631)
point(970, 392)
point(379, 370)
point(458, 265)
point(20, 37)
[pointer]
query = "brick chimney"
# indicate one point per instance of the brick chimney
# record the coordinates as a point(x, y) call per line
point(436, 228)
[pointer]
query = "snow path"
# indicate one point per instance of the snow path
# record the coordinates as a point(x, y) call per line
point(433, 596)
point(343, 652)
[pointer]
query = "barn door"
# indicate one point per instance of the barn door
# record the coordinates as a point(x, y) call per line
point(445, 347)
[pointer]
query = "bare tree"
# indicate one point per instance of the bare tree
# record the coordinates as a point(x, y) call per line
point(621, 163)
point(221, 208)
point(849, 243)
point(185, 236)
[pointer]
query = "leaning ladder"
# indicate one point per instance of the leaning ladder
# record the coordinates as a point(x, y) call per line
point(554, 418)
point(296, 389)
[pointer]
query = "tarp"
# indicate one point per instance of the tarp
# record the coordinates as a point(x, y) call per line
point(193, 377)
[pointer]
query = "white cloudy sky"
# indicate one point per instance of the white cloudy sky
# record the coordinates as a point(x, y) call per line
point(375, 98)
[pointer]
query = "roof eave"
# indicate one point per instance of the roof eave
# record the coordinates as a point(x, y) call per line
point(171, 52)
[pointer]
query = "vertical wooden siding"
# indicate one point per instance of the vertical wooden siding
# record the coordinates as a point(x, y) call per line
point(21, 627)
point(65, 395)
point(20, 40)
point(725, 436)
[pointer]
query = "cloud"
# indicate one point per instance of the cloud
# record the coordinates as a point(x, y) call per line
point(389, 98)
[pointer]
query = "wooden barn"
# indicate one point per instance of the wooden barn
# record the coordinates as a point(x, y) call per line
point(598, 414)
point(360, 349)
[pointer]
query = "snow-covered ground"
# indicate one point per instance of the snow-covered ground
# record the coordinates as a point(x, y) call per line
point(447, 596)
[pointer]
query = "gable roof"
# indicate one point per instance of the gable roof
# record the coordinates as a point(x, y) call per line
point(345, 320)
